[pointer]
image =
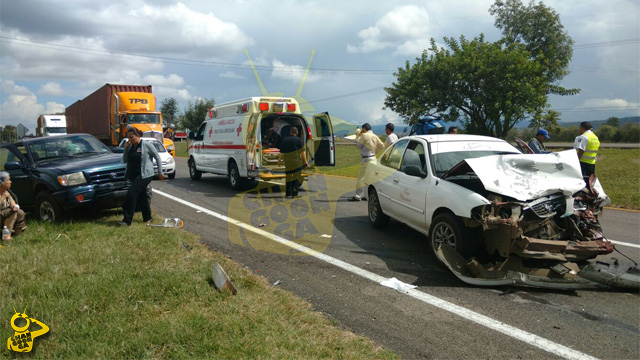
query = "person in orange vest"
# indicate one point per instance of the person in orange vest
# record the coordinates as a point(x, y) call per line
point(587, 145)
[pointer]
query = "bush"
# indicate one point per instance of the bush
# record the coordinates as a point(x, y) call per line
point(606, 133)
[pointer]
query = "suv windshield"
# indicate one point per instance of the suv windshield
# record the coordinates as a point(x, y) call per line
point(67, 146)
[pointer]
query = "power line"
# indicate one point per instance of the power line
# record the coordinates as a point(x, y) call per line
point(181, 61)
point(607, 43)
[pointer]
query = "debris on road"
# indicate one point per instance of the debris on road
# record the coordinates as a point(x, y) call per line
point(397, 285)
point(222, 280)
point(169, 223)
point(325, 236)
point(277, 283)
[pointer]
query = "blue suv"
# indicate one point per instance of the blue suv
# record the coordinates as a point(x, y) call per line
point(53, 175)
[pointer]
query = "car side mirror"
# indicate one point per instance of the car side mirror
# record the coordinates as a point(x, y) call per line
point(13, 165)
point(118, 150)
point(413, 170)
point(192, 135)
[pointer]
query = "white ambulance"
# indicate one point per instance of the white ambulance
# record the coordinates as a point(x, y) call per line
point(241, 139)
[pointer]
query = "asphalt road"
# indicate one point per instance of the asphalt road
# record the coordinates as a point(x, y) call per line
point(505, 322)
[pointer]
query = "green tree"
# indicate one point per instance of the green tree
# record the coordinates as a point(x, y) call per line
point(613, 121)
point(490, 85)
point(539, 28)
point(195, 112)
point(606, 132)
point(169, 110)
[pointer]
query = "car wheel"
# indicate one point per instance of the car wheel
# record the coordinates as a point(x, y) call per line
point(194, 173)
point(376, 216)
point(46, 208)
point(173, 175)
point(235, 181)
point(448, 229)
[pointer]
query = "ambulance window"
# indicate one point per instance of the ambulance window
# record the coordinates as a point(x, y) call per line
point(200, 135)
point(322, 127)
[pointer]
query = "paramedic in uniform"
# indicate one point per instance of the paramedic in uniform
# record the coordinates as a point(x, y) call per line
point(587, 145)
point(391, 136)
point(369, 145)
point(295, 159)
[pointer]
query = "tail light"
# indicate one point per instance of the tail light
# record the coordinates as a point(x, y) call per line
point(291, 107)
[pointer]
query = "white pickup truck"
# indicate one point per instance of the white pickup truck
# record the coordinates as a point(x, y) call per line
point(493, 215)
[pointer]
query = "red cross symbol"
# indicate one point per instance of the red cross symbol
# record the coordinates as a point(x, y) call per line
point(239, 129)
point(210, 131)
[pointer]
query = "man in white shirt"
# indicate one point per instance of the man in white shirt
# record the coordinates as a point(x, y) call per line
point(391, 136)
point(369, 144)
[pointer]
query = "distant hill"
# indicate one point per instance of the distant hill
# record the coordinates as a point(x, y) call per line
point(596, 123)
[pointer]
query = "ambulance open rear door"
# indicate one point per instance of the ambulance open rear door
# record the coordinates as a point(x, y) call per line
point(324, 142)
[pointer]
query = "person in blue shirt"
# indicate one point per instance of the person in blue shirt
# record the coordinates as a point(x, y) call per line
point(537, 143)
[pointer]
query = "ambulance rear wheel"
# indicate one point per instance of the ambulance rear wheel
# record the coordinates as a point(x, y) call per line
point(193, 172)
point(235, 181)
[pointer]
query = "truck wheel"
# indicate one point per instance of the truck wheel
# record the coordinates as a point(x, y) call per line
point(194, 173)
point(449, 230)
point(235, 181)
point(376, 216)
point(46, 208)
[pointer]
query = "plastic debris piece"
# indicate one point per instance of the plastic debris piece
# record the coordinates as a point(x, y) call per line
point(397, 285)
point(186, 246)
point(325, 236)
point(262, 225)
point(277, 283)
point(169, 223)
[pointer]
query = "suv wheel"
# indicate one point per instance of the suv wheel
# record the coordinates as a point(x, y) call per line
point(194, 173)
point(46, 208)
point(376, 216)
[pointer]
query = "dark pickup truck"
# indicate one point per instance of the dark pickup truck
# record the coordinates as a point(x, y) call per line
point(53, 175)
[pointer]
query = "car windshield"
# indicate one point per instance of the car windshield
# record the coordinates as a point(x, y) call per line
point(443, 162)
point(57, 130)
point(66, 146)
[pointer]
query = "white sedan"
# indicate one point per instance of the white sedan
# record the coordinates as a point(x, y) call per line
point(168, 163)
point(493, 215)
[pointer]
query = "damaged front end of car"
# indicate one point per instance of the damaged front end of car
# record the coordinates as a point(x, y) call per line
point(545, 242)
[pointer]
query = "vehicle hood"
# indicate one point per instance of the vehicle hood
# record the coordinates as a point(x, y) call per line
point(526, 177)
point(76, 164)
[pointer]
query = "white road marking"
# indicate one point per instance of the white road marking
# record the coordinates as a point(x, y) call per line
point(505, 329)
point(625, 244)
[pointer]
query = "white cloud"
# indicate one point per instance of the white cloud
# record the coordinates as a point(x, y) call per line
point(51, 89)
point(292, 73)
point(403, 28)
point(172, 80)
point(231, 75)
point(608, 103)
point(22, 107)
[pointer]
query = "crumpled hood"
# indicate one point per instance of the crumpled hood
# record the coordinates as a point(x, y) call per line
point(531, 176)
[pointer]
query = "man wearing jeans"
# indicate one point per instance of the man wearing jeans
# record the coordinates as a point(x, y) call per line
point(369, 144)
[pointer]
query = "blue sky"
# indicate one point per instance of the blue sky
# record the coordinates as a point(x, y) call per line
point(54, 53)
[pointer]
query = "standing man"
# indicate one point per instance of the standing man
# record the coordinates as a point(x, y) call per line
point(295, 159)
point(391, 136)
point(537, 143)
point(369, 144)
point(453, 130)
point(587, 145)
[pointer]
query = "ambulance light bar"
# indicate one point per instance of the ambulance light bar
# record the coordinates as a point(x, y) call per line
point(264, 106)
point(242, 108)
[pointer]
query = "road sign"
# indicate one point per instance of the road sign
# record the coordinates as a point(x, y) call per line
point(21, 131)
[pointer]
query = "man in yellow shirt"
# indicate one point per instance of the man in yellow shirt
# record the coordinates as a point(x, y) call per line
point(369, 145)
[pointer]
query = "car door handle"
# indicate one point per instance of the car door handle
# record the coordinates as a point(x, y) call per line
point(395, 180)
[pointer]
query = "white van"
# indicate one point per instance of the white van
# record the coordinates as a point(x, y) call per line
point(240, 139)
point(51, 125)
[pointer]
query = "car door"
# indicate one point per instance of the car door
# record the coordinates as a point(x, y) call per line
point(412, 189)
point(386, 176)
point(324, 142)
point(197, 147)
point(19, 169)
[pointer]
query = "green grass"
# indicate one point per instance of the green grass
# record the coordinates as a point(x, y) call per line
point(182, 149)
point(112, 292)
point(619, 173)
